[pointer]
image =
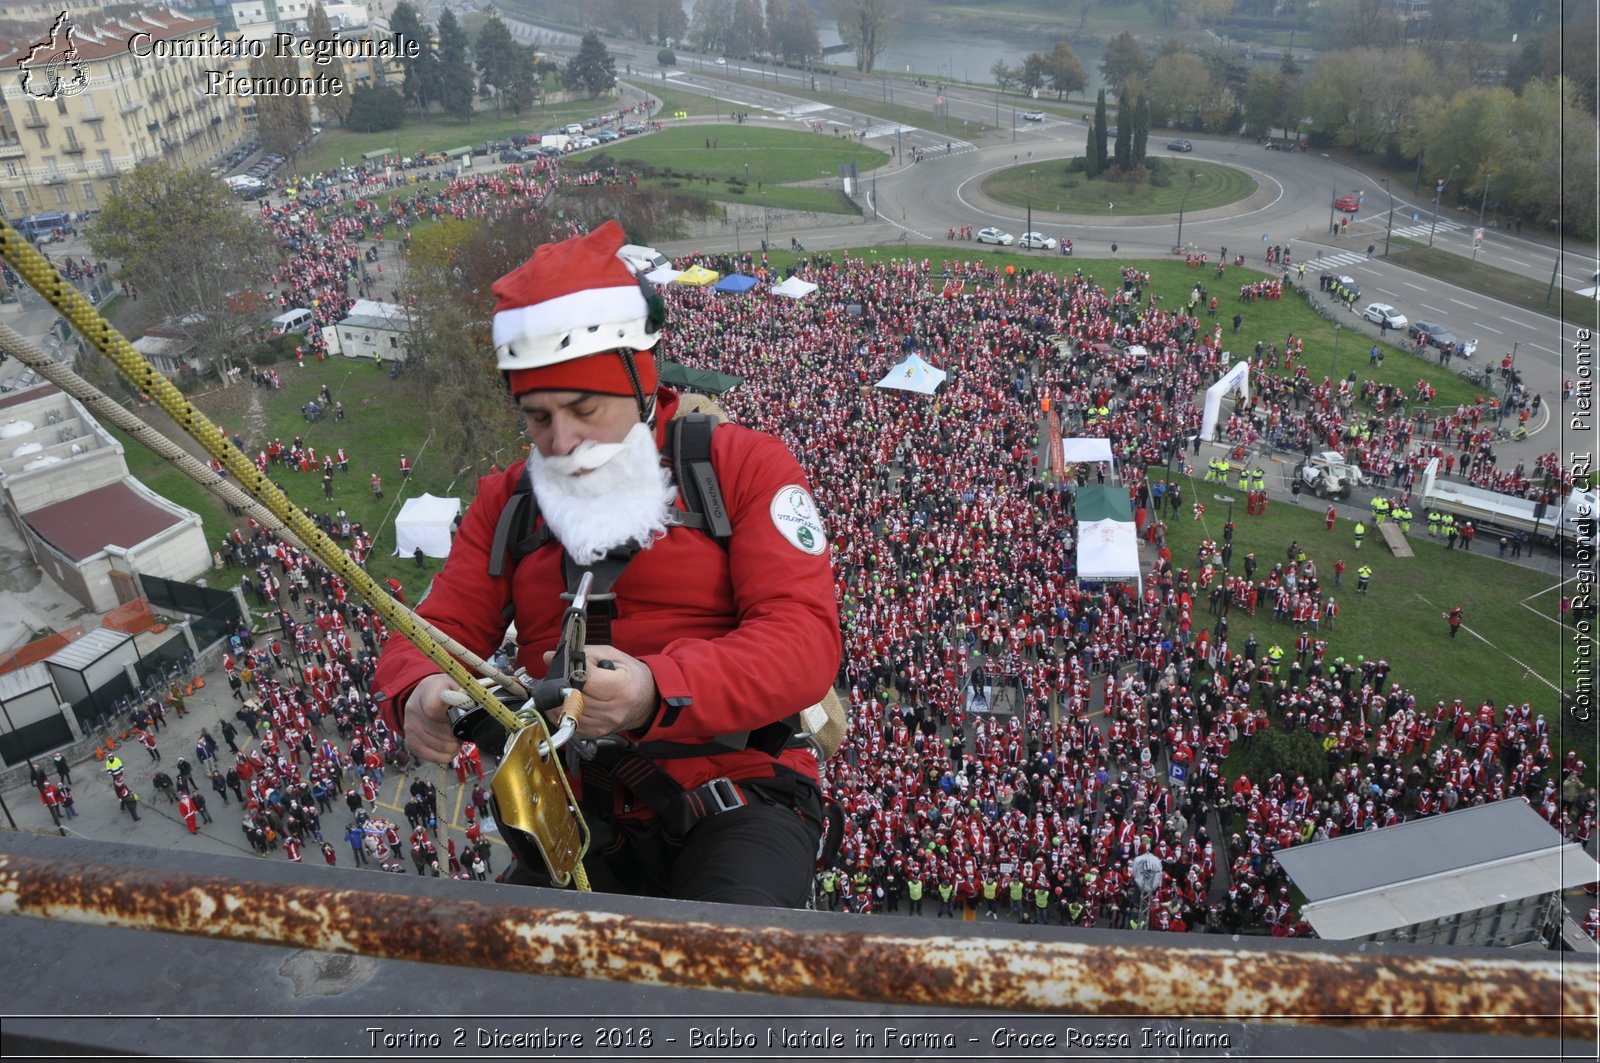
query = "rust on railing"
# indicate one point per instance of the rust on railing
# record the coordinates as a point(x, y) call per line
point(1485, 995)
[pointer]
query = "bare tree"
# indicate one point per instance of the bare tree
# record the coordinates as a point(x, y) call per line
point(869, 25)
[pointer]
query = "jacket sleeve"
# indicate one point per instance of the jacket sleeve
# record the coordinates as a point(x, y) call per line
point(784, 652)
point(465, 603)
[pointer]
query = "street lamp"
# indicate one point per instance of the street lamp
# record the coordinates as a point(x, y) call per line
point(1481, 206)
point(1438, 190)
point(1194, 175)
point(1389, 229)
point(1337, 328)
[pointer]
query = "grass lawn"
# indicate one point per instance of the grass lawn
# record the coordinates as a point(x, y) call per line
point(749, 164)
point(1049, 184)
point(1486, 279)
point(1504, 651)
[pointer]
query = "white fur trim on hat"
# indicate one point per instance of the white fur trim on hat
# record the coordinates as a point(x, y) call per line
point(579, 310)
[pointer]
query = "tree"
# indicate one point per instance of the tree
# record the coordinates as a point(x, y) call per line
point(1262, 106)
point(1362, 24)
point(1125, 62)
point(868, 26)
point(1098, 159)
point(666, 57)
point(1141, 130)
point(421, 72)
point(593, 69)
point(1066, 70)
point(151, 227)
point(374, 110)
point(498, 56)
point(671, 21)
point(712, 21)
point(748, 34)
point(1177, 84)
point(283, 122)
point(1003, 75)
point(1123, 151)
point(792, 31)
point(1364, 98)
point(1035, 69)
point(318, 28)
point(457, 82)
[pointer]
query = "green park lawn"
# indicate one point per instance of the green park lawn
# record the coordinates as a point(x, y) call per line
point(1506, 650)
point(1050, 186)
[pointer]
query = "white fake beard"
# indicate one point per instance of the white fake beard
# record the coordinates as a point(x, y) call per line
point(627, 498)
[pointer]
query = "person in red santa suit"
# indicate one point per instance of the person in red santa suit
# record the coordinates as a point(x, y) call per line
point(714, 645)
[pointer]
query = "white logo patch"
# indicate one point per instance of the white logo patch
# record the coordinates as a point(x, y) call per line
point(794, 514)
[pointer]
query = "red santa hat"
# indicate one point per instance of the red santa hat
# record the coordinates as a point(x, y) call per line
point(571, 318)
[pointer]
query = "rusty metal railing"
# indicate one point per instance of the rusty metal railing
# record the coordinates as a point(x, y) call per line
point(1504, 997)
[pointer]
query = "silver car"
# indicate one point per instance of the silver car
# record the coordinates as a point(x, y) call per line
point(1384, 314)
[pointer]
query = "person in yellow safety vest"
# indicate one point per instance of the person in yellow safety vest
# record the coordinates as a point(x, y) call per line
point(914, 896)
point(113, 764)
point(1041, 905)
point(1275, 657)
point(830, 889)
point(946, 891)
point(1074, 911)
point(1361, 533)
point(1434, 520)
point(1258, 479)
point(1380, 508)
point(1363, 578)
point(1016, 898)
point(1244, 478)
point(1403, 515)
point(991, 897)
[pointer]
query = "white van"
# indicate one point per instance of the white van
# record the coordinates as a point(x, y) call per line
point(642, 259)
point(293, 321)
point(574, 130)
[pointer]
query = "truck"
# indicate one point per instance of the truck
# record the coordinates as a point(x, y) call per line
point(554, 143)
point(1329, 475)
point(1572, 520)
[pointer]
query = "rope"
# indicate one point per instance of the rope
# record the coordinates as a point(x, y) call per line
point(37, 271)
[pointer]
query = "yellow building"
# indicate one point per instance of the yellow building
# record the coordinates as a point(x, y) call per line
point(86, 109)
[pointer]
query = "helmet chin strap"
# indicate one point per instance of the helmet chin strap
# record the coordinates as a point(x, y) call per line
point(647, 407)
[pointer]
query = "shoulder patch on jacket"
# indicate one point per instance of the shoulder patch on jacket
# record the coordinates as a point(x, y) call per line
point(794, 514)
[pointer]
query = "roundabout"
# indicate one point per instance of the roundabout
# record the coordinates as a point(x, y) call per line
point(1060, 185)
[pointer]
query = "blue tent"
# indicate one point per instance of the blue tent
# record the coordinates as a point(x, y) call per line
point(735, 282)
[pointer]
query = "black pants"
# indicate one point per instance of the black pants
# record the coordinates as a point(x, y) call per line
point(763, 853)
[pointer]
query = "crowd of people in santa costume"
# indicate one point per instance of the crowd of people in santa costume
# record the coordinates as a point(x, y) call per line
point(952, 548)
point(954, 560)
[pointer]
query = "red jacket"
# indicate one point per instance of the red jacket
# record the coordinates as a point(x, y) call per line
point(749, 633)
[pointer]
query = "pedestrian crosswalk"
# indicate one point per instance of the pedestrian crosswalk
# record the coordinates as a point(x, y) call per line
point(1423, 230)
point(1343, 258)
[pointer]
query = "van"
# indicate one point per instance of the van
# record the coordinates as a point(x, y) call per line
point(292, 321)
point(35, 226)
point(642, 259)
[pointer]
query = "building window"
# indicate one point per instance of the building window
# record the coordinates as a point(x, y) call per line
point(105, 161)
point(88, 191)
point(22, 200)
point(61, 104)
point(99, 133)
point(11, 169)
point(61, 195)
point(44, 137)
point(33, 111)
point(114, 186)
point(72, 138)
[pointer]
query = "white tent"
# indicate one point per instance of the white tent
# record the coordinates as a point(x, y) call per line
point(1108, 549)
point(1075, 451)
point(914, 374)
point(794, 288)
point(663, 275)
point(1235, 379)
point(426, 522)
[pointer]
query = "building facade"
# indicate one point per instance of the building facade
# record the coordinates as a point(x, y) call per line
point(68, 149)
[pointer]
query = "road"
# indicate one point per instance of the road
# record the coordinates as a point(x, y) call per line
point(918, 202)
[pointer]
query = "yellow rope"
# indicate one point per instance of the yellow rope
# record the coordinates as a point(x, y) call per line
point(40, 275)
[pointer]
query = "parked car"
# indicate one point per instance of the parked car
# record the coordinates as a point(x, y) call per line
point(633, 129)
point(1347, 203)
point(1384, 314)
point(1432, 334)
point(991, 235)
point(1033, 116)
point(1179, 145)
point(606, 136)
point(1037, 240)
point(1349, 284)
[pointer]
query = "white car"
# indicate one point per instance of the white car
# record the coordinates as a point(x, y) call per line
point(991, 235)
point(1384, 314)
point(1037, 240)
point(1033, 116)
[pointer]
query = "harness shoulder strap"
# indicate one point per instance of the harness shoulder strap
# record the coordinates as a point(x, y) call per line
point(689, 450)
